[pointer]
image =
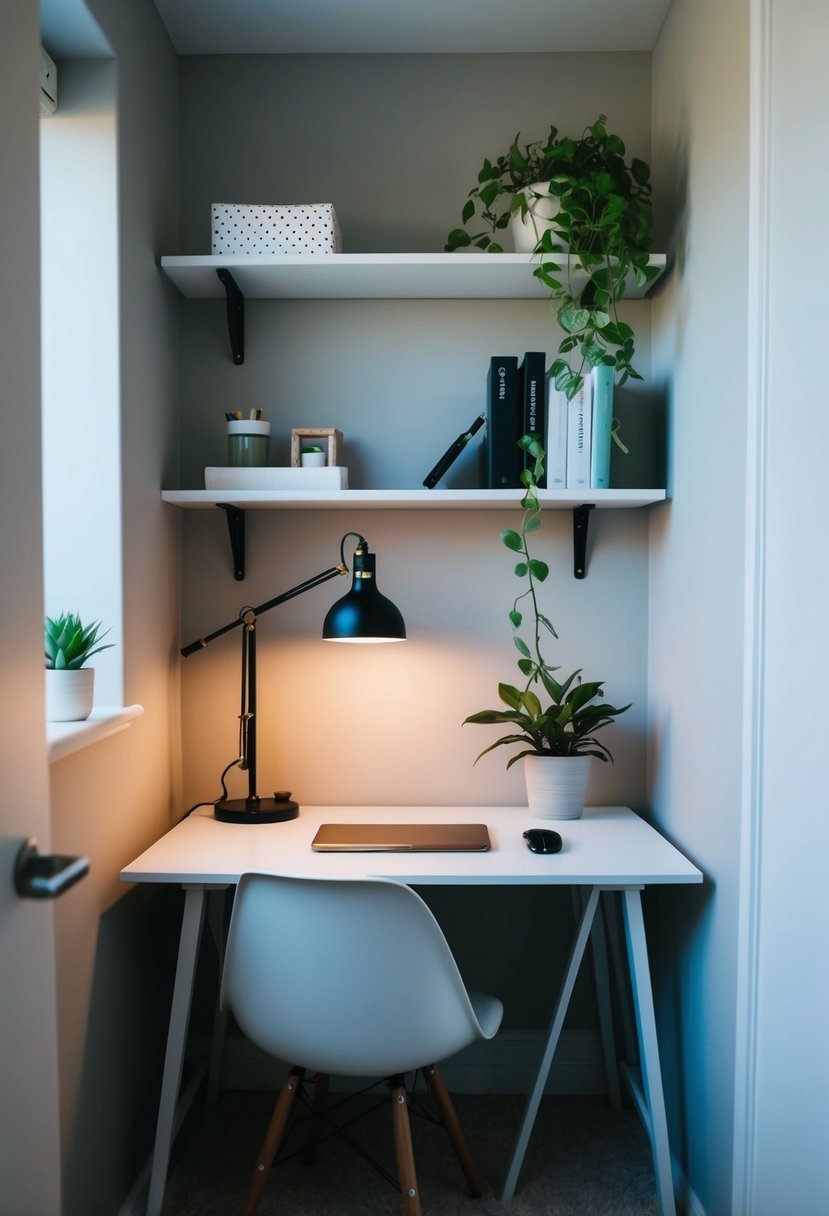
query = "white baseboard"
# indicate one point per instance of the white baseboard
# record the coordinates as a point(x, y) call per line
point(505, 1065)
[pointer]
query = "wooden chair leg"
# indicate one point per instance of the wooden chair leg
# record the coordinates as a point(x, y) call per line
point(317, 1109)
point(403, 1149)
point(272, 1141)
point(453, 1129)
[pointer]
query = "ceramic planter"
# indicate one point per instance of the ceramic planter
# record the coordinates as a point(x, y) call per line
point(542, 208)
point(69, 694)
point(556, 785)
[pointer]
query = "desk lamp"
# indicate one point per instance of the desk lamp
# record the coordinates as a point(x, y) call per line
point(362, 615)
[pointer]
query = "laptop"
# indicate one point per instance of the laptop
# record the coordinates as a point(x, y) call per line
point(401, 838)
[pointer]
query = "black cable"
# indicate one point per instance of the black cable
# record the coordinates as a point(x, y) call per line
point(223, 794)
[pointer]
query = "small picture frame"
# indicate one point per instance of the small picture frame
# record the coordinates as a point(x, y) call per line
point(326, 437)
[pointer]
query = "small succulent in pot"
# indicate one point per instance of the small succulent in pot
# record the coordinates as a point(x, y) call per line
point(68, 644)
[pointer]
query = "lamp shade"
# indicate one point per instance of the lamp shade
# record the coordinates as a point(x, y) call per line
point(363, 614)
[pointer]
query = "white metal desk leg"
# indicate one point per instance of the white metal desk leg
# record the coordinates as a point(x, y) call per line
point(601, 978)
point(188, 950)
point(648, 1049)
point(216, 920)
point(576, 955)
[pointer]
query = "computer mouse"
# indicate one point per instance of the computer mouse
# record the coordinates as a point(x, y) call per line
point(542, 840)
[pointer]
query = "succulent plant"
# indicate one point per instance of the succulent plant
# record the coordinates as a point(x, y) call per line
point(68, 644)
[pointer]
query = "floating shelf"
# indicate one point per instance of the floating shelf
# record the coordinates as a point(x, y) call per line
point(412, 500)
point(371, 276)
point(236, 503)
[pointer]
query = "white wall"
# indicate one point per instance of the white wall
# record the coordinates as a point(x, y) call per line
point(783, 1086)
point(697, 567)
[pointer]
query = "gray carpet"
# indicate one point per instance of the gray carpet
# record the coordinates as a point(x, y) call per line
point(583, 1160)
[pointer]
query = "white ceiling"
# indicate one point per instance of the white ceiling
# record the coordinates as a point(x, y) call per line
point(211, 27)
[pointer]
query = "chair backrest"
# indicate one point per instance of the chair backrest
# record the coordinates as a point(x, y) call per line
point(344, 976)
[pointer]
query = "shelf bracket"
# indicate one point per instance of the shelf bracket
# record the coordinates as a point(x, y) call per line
point(581, 517)
point(236, 532)
point(235, 315)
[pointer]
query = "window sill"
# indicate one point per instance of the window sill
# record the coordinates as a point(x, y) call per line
point(64, 738)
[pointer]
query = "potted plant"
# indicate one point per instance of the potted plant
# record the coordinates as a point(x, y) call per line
point(599, 209)
point(67, 645)
point(555, 727)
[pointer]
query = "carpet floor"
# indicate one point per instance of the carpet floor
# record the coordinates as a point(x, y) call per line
point(583, 1160)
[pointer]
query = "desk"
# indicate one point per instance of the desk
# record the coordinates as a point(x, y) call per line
point(609, 849)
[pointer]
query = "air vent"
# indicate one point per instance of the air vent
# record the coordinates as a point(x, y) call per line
point(48, 84)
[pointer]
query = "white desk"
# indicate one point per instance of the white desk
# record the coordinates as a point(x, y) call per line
point(609, 849)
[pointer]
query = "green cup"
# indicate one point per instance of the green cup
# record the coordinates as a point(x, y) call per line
point(248, 444)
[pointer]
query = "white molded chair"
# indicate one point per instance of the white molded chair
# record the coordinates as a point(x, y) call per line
point(352, 977)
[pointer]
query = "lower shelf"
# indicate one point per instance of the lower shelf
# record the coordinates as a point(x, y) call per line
point(236, 503)
point(419, 500)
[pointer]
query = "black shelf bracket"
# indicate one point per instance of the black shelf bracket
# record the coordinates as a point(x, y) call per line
point(236, 532)
point(235, 315)
point(581, 517)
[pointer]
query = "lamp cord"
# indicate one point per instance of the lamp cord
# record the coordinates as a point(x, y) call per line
point(222, 796)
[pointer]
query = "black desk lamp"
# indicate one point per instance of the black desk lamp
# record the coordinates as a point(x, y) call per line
point(362, 615)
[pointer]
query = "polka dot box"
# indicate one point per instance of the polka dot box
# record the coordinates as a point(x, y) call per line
point(292, 228)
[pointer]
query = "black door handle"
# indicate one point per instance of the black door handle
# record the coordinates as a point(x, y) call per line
point(45, 876)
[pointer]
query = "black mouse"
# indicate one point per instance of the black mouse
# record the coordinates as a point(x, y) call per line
point(542, 840)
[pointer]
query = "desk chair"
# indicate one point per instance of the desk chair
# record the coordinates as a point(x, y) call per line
point(351, 977)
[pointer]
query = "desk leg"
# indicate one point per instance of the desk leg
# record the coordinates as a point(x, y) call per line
point(576, 955)
point(601, 977)
point(216, 920)
point(648, 1049)
point(188, 949)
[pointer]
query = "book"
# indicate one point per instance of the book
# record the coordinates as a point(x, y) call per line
point(556, 441)
point(602, 386)
point(579, 421)
point(533, 374)
point(503, 457)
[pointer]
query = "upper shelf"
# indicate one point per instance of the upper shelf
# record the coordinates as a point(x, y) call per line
point(370, 276)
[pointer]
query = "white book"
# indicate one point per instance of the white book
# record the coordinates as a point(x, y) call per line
point(556, 440)
point(579, 426)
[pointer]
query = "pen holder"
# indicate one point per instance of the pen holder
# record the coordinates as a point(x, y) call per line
point(248, 444)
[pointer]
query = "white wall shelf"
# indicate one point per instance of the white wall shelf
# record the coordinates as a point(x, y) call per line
point(363, 276)
point(368, 276)
point(236, 503)
point(417, 500)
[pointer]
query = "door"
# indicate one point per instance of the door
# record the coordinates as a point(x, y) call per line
point(29, 1116)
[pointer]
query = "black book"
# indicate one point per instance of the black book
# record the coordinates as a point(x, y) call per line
point(533, 375)
point(504, 418)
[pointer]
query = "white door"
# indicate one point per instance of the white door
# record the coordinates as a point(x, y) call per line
point(29, 1117)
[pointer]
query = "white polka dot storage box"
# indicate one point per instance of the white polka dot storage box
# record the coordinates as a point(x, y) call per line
point(289, 228)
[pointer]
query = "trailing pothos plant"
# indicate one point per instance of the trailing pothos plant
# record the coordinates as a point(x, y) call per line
point(605, 219)
point(564, 718)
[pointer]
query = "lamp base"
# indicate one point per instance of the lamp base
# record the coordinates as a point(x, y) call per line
point(278, 809)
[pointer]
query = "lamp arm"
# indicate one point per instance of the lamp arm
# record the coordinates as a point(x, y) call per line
point(332, 572)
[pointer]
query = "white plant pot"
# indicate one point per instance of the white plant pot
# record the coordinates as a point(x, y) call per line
point(313, 460)
point(556, 785)
point(69, 694)
point(542, 209)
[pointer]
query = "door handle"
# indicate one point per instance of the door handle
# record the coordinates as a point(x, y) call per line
point(47, 875)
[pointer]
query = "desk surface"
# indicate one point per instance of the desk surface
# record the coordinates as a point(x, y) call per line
point(608, 846)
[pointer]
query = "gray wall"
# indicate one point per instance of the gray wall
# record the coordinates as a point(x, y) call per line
point(395, 143)
point(697, 569)
point(113, 944)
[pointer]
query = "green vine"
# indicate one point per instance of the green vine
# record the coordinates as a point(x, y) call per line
point(574, 712)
